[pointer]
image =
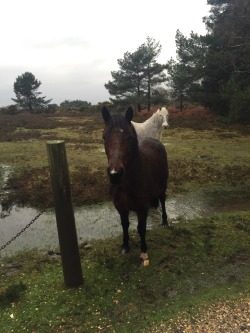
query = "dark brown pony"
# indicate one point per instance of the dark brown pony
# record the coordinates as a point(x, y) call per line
point(138, 174)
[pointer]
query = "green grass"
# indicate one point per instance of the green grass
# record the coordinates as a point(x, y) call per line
point(220, 147)
point(191, 265)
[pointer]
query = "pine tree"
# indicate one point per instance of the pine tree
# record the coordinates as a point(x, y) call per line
point(139, 72)
point(27, 96)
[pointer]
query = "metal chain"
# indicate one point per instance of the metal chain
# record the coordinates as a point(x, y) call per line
point(22, 230)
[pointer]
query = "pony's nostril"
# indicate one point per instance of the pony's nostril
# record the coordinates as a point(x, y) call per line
point(115, 176)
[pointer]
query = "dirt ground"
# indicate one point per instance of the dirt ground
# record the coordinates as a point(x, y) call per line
point(223, 317)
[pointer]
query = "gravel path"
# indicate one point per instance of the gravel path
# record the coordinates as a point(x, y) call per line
point(223, 317)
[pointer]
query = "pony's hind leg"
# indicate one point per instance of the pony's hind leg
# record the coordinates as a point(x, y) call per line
point(125, 226)
point(163, 209)
point(142, 222)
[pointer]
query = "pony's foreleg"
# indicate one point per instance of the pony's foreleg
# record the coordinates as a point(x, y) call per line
point(142, 223)
point(163, 209)
point(125, 226)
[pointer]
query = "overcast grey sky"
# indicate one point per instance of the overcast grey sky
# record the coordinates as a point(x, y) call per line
point(72, 46)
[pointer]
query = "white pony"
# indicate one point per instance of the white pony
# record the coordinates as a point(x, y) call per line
point(153, 126)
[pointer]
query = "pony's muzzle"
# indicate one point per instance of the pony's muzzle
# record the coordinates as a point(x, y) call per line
point(115, 176)
point(165, 125)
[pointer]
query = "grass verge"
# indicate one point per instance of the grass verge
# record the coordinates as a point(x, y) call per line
point(190, 264)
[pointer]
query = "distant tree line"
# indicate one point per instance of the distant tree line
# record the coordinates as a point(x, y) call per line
point(212, 70)
point(29, 98)
point(76, 104)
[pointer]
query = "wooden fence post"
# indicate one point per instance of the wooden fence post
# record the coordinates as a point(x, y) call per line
point(64, 213)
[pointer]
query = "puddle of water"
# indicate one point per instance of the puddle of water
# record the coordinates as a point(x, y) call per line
point(5, 171)
point(98, 221)
point(92, 222)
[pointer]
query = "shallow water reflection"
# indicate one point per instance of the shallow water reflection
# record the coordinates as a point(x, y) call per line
point(92, 222)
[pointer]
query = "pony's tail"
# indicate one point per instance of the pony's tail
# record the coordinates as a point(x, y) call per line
point(154, 202)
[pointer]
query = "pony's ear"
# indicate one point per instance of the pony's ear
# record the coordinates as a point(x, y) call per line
point(129, 114)
point(105, 114)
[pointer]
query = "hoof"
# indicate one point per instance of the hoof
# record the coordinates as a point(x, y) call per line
point(165, 225)
point(125, 250)
point(144, 259)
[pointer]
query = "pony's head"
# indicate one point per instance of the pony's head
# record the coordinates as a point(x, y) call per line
point(163, 113)
point(120, 143)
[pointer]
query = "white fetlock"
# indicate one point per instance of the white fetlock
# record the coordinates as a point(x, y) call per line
point(144, 259)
